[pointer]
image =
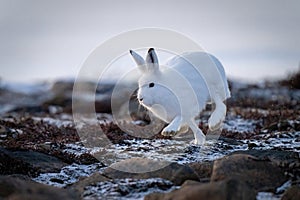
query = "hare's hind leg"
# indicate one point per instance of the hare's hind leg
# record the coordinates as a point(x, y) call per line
point(217, 117)
point(198, 134)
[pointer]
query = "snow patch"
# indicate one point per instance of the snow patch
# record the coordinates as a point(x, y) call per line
point(125, 189)
point(240, 125)
point(68, 175)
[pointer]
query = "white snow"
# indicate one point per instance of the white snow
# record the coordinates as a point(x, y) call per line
point(127, 189)
point(239, 124)
point(68, 175)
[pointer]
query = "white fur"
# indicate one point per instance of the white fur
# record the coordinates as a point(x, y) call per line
point(181, 90)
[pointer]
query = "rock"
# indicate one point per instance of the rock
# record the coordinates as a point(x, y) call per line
point(280, 158)
point(259, 174)
point(59, 100)
point(292, 193)
point(10, 165)
point(86, 181)
point(28, 162)
point(20, 188)
point(203, 170)
point(191, 183)
point(172, 171)
point(62, 86)
point(229, 189)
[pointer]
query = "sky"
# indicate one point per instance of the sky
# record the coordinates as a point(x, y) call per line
point(47, 40)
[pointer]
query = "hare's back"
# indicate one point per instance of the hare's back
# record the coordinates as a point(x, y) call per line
point(201, 68)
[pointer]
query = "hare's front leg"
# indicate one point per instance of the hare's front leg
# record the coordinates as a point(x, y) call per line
point(173, 128)
point(198, 134)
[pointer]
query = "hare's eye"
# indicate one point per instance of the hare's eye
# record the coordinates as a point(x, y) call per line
point(151, 85)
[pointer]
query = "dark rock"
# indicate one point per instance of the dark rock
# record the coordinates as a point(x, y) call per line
point(9, 165)
point(259, 174)
point(28, 162)
point(292, 193)
point(171, 171)
point(228, 189)
point(20, 188)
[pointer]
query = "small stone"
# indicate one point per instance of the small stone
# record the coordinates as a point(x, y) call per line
point(56, 180)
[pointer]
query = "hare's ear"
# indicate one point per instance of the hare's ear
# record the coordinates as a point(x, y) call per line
point(139, 60)
point(152, 60)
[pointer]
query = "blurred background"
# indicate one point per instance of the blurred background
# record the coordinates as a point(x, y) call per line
point(47, 40)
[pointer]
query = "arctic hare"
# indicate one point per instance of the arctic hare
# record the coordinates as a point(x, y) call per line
point(179, 91)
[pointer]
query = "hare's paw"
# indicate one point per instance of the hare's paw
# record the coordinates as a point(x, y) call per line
point(170, 130)
point(215, 125)
point(173, 128)
point(199, 139)
point(217, 117)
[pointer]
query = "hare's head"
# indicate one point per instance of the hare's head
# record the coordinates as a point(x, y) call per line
point(151, 88)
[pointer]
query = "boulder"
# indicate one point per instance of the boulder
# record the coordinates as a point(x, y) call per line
point(260, 174)
point(228, 189)
point(280, 158)
point(21, 188)
point(171, 171)
point(28, 162)
point(202, 169)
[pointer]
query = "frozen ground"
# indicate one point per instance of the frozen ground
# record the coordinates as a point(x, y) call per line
point(33, 118)
point(178, 150)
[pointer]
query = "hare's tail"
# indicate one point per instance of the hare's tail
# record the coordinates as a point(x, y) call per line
point(217, 117)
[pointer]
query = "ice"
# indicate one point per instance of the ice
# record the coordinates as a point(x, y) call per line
point(267, 196)
point(68, 175)
point(125, 189)
point(240, 125)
